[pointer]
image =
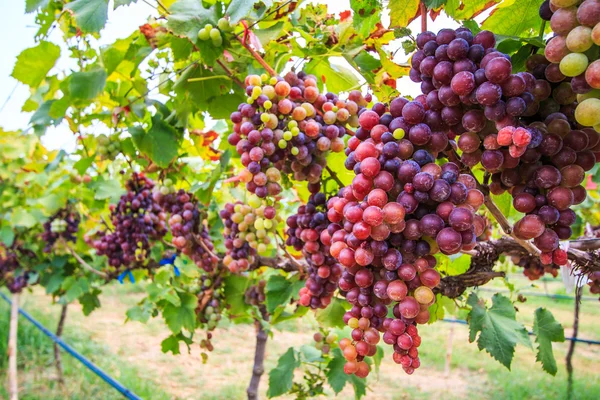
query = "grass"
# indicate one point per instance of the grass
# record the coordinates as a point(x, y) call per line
point(131, 353)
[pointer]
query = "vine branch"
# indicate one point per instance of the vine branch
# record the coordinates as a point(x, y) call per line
point(85, 265)
point(259, 361)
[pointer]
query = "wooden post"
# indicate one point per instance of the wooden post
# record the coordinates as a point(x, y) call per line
point(13, 383)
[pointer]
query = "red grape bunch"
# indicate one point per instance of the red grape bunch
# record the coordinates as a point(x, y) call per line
point(137, 221)
point(12, 273)
point(574, 52)
point(190, 235)
point(255, 296)
point(287, 125)
point(247, 231)
point(308, 232)
point(62, 225)
point(533, 268)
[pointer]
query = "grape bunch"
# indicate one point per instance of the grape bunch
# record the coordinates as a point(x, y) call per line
point(62, 225)
point(108, 146)
point(210, 304)
point(325, 340)
point(12, 274)
point(594, 282)
point(287, 125)
point(215, 34)
point(247, 230)
point(533, 268)
point(574, 52)
point(255, 296)
point(138, 221)
point(308, 232)
point(400, 209)
point(190, 234)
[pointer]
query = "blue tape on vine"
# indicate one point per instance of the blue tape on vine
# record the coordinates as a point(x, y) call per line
point(124, 274)
point(171, 260)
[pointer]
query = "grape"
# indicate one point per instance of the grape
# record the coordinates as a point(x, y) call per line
point(498, 69)
point(579, 39)
point(63, 225)
point(529, 227)
point(588, 112)
point(592, 75)
point(564, 20)
point(573, 64)
point(588, 13)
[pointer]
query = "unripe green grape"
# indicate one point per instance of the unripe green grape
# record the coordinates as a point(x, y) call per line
point(399, 134)
point(259, 224)
point(218, 42)
point(269, 91)
point(595, 93)
point(287, 135)
point(261, 233)
point(261, 248)
point(224, 25)
point(295, 131)
point(264, 77)
point(254, 201)
point(256, 91)
point(273, 81)
point(215, 34)
point(268, 224)
point(203, 35)
point(208, 27)
point(331, 338)
point(267, 105)
point(168, 182)
point(295, 151)
point(587, 112)
point(573, 64)
point(293, 124)
point(264, 117)
point(282, 144)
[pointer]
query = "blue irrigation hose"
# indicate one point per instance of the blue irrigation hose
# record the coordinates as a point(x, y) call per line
point(90, 365)
point(463, 322)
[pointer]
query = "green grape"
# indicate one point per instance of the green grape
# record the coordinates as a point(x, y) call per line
point(254, 201)
point(224, 25)
point(287, 135)
point(215, 34)
point(587, 112)
point(203, 34)
point(208, 27)
point(595, 93)
point(399, 134)
point(579, 39)
point(261, 248)
point(573, 64)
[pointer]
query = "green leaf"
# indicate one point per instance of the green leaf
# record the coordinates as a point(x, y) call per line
point(366, 15)
point(189, 16)
point(172, 343)
point(160, 143)
point(378, 358)
point(90, 15)
point(403, 12)
point(23, 218)
point(87, 85)
point(336, 377)
point(458, 265)
point(204, 190)
point(140, 313)
point(281, 377)
point(467, 9)
point(90, 301)
point(434, 4)
point(337, 78)
point(34, 63)
point(119, 3)
point(311, 353)
point(240, 9)
point(547, 330)
point(278, 292)
point(32, 5)
point(107, 189)
point(42, 115)
point(504, 203)
point(333, 315)
point(183, 316)
point(519, 18)
point(82, 165)
point(500, 332)
point(74, 288)
point(235, 288)
point(360, 386)
point(7, 235)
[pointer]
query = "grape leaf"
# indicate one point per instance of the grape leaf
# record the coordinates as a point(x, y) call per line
point(34, 63)
point(311, 353)
point(547, 330)
point(82, 165)
point(32, 5)
point(240, 9)
point(119, 3)
point(107, 189)
point(366, 15)
point(141, 312)
point(403, 12)
point(234, 288)
point(281, 377)
point(90, 15)
point(336, 77)
point(160, 143)
point(521, 18)
point(278, 292)
point(87, 85)
point(336, 377)
point(7, 235)
point(189, 16)
point(434, 4)
point(332, 316)
point(360, 386)
point(90, 301)
point(467, 9)
point(172, 343)
point(183, 316)
point(499, 330)
point(21, 217)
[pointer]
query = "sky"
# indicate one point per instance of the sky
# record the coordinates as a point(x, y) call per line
point(18, 30)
